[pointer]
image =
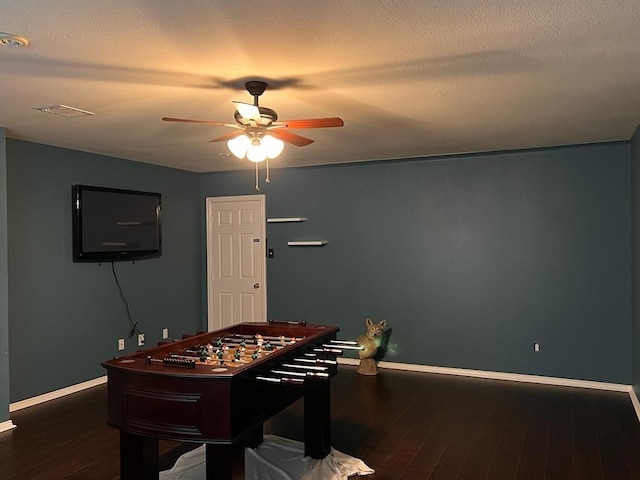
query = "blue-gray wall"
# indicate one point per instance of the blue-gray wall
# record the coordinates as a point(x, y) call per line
point(470, 259)
point(4, 286)
point(66, 317)
point(635, 176)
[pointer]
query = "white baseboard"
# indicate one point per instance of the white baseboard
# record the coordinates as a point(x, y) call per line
point(8, 425)
point(511, 377)
point(29, 402)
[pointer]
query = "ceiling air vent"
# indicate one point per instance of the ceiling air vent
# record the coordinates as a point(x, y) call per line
point(64, 111)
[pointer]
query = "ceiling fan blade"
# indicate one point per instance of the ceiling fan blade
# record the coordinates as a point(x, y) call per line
point(291, 138)
point(227, 136)
point(248, 111)
point(313, 123)
point(207, 122)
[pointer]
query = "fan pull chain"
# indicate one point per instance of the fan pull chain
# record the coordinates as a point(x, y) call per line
point(267, 179)
point(257, 186)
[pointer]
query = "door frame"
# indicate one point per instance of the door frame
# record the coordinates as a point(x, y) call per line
point(263, 241)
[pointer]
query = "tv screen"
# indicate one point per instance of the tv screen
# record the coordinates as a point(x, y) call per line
point(114, 224)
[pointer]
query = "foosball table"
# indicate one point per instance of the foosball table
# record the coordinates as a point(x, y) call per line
point(218, 388)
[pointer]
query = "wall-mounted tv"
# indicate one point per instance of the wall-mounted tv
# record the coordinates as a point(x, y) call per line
point(113, 224)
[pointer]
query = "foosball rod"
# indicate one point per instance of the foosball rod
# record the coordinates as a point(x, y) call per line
point(321, 357)
point(346, 347)
point(344, 342)
point(301, 374)
point(288, 380)
point(214, 356)
point(266, 337)
point(252, 344)
point(306, 367)
point(246, 345)
point(330, 351)
point(250, 341)
point(315, 360)
point(249, 351)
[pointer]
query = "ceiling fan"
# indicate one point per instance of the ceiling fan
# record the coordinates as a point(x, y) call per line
point(258, 134)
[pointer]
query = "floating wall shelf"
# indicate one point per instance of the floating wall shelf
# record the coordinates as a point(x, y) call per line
point(286, 219)
point(307, 243)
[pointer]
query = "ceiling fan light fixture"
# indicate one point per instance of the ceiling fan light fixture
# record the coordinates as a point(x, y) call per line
point(273, 146)
point(239, 145)
point(256, 153)
point(255, 149)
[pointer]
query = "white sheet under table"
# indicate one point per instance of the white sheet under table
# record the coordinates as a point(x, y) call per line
point(276, 458)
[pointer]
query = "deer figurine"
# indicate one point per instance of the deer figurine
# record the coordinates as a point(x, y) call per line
point(369, 342)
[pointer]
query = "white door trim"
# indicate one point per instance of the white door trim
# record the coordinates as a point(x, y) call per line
point(210, 202)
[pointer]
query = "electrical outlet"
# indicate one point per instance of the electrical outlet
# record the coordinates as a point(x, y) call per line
point(140, 339)
point(165, 333)
point(536, 347)
point(121, 344)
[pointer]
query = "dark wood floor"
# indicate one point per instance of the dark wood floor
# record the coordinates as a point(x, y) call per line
point(407, 426)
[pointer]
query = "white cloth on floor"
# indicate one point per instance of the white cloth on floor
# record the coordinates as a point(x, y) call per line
point(190, 466)
point(337, 466)
point(276, 458)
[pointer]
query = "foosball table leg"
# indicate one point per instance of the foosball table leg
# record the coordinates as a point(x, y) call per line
point(138, 457)
point(317, 420)
point(256, 436)
point(219, 461)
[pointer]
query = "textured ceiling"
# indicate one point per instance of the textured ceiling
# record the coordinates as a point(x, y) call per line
point(409, 78)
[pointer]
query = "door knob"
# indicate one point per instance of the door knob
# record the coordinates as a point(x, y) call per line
point(256, 285)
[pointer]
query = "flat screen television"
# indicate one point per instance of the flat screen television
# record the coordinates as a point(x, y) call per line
point(113, 224)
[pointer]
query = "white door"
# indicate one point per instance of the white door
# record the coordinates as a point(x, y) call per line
point(236, 260)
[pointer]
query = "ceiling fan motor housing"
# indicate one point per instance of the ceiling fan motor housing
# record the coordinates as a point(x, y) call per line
point(255, 87)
